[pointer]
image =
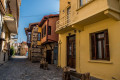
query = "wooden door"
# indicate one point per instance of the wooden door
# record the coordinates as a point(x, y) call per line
point(71, 52)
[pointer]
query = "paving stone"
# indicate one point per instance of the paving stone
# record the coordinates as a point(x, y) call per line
point(19, 68)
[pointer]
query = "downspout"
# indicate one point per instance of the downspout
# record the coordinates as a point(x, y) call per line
point(79, 51)
point(60, 52)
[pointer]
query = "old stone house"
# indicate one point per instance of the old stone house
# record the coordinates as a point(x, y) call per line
point(34, 41)
point(23, 48)
point(49, 38)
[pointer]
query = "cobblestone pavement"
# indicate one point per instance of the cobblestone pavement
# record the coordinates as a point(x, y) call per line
point(19, 68)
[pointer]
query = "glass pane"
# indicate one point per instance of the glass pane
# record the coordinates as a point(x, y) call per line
point(104, 48)
point(100, 35)
point(81, 2)
point(70, 49)
point(71, 38)
point(74, 51)
point(38, 36)
point(99, 50)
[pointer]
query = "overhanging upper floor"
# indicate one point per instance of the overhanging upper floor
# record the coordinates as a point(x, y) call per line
point(75, 17)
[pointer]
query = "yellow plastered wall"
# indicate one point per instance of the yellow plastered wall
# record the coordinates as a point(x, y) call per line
point(103, 69)
point(40, 31)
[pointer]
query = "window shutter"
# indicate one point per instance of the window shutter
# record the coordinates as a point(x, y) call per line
point(107, 45)
point(93, 46)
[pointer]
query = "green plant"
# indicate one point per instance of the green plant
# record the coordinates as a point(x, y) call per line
point(9, 15)
point(12, 51)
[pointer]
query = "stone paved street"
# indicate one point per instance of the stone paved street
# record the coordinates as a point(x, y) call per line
point(19, 68)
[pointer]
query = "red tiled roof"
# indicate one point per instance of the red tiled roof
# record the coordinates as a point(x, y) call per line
point(46, 17)
point(24, 42)
point(31, 25)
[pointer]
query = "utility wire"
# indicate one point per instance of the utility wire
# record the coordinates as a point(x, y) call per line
point(39, 15)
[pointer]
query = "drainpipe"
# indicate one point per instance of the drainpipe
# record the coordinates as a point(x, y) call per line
point(60, 51)
point(79, 52)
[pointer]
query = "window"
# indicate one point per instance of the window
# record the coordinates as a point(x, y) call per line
point(100, 46)
point(81, 2)
point(49, 30)
point(39, 36)
point(68, 14)
point(45, 31)
point(29, 38)
point(42, 33)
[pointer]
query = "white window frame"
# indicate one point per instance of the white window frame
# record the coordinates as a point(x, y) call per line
point(82, 3)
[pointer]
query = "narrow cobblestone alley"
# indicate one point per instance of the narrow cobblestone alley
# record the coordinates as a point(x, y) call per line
point(19, 68)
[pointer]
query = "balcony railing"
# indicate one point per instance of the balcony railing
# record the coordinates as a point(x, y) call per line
point(64, 22)
point(14, 36)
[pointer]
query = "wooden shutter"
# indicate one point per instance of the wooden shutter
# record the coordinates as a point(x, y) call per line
point(93, 46)
point(107, 45)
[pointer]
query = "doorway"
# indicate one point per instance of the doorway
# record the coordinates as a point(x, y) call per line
point(49, 56)
point(71, 51)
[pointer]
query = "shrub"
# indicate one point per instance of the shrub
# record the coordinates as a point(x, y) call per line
point(12, 51)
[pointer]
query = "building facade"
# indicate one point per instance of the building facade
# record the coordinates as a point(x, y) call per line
point(34, 41)
point(28, 34)
point(42, 39)
point(9, 17)
point(88, 37)
point(49, 38)
point(23, 49)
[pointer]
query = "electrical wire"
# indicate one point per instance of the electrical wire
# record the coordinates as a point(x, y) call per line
point(40, 14)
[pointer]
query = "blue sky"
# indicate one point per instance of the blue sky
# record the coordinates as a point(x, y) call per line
point(33, 11)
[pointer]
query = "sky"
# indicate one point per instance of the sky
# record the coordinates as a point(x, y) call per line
point(33, 11)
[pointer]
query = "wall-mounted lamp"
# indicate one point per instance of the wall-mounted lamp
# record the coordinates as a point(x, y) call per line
point(74, 31)
point(69, 2)
point(79, 31)
point(69, 34)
